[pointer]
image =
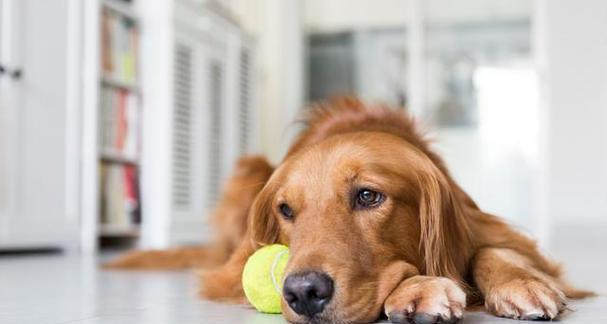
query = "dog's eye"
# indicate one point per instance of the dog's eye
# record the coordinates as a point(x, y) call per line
point(367, 198)
point(286, 211)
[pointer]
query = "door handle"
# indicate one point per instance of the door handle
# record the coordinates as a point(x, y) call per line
point(15, 74)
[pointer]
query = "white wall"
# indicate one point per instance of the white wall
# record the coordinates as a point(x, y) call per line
point(277, 30)
point(572, 48)
point(278, 25)
point(339, 15)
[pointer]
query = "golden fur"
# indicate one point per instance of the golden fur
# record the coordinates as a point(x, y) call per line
point(424, 254)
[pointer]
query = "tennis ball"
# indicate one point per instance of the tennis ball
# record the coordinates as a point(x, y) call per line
point(263, 275)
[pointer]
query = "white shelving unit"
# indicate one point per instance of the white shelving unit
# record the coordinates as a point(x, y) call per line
point(107, 156)
point(111, 156)
point(113, 82)
point(109, 230)
point(50, 177)
point(124, 8)
point(195, 120)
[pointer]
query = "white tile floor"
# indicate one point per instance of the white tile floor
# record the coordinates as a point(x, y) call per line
point(60, 288)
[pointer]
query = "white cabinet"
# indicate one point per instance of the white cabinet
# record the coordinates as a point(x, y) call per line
point(39, 146)
point(211, 79)
point(198, 116)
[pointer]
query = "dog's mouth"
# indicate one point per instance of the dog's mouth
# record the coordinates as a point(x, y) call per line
point(359, 309)
point(316, 319)
point(332, 318)
point(343, 299)
point(322, 319)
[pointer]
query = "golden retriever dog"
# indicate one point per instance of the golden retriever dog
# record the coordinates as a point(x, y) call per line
point(375, 225)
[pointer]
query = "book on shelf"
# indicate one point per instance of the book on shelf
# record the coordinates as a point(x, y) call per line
point(119, 47)
point(120, 199)
point(119, 128)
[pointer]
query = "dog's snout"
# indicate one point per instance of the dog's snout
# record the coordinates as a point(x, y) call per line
point(307, 293)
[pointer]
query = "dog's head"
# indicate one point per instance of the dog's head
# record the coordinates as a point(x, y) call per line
point(360, 212)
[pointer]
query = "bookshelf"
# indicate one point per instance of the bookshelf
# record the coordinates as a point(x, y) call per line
point(119, 122)
point(109, 230)
point(122, 7)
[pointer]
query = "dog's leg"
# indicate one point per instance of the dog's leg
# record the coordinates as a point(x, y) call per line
point(171, 259)
point(229, 219)
point(423, 299)
point(224, 283)
point(514, 287)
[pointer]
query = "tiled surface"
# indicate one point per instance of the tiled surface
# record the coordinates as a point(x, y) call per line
point(69, 289)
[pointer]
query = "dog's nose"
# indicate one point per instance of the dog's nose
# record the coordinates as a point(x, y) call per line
point(307, 293)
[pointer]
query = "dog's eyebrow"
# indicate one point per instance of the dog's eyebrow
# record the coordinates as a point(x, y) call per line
point(375, 168)
point(353, 177)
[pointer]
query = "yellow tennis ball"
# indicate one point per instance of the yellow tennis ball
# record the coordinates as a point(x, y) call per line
point(262, 277)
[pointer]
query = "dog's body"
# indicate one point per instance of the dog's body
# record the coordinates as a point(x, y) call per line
point(374, 222)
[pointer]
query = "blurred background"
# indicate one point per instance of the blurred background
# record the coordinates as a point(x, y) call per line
point(120, 120)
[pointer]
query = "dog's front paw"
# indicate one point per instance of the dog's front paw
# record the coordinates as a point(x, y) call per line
point(425, 300)
point(529, 299)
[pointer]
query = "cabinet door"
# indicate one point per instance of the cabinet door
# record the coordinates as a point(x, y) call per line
point(3, 133)
point(186, 210)
point(193, 169)
point(8, 120)
point(199, 138)
point(42, 109)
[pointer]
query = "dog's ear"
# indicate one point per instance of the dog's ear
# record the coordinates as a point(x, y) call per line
point(263, 225)
point(445, 233)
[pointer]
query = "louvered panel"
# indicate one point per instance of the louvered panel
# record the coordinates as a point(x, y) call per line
point(216, 102)
point(182, 128)
point(244, 101)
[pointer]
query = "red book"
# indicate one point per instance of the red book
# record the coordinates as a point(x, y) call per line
point(131, 194)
